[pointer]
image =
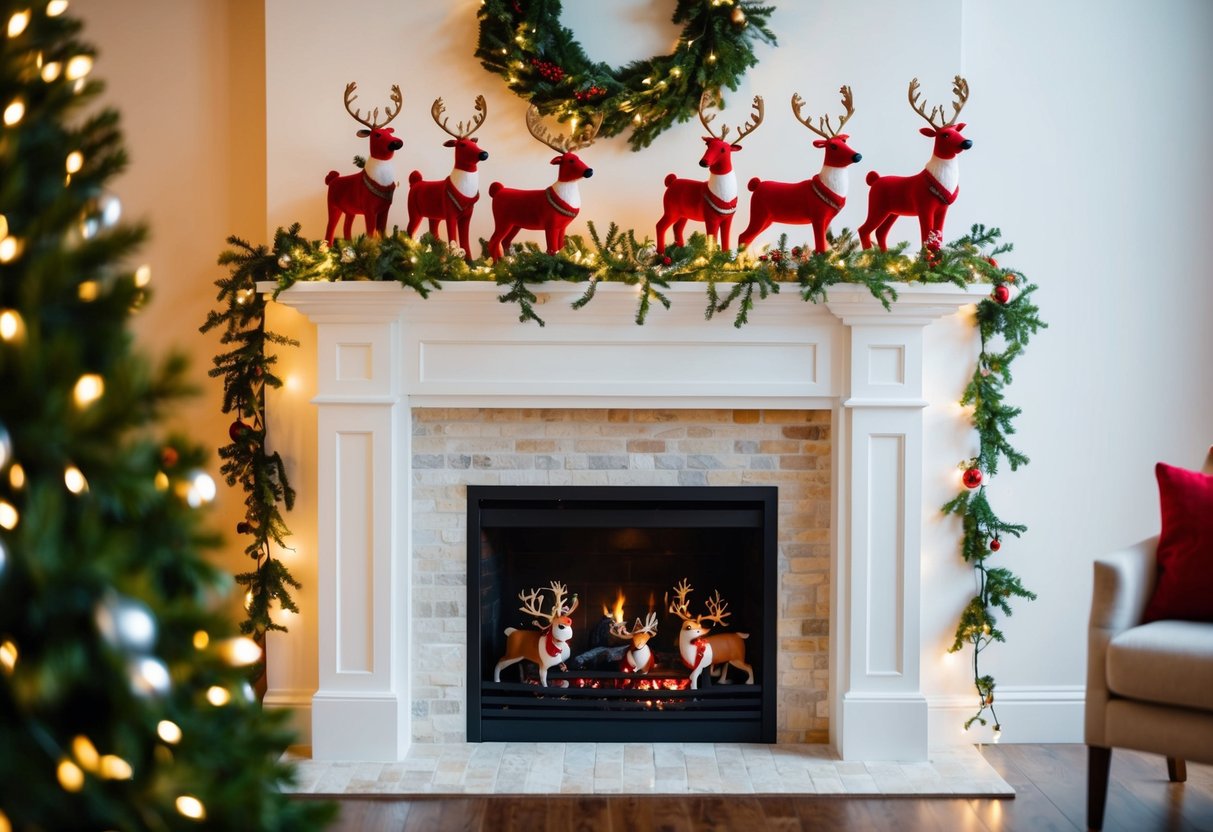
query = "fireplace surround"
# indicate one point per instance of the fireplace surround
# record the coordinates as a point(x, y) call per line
point(383, 352)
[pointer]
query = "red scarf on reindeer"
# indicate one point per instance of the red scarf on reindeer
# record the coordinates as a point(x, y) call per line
point(551, 645)
point(701, 645)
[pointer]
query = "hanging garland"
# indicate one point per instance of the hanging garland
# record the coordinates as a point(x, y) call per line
point(541, 61)
point(1006, 321)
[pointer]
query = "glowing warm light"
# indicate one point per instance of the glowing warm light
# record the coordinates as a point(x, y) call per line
point(292, 382)
point(218, 696)
point(89, 388)
point(11, 324)
point(71, 778)
point(201, 489)
point(56, 7)
point(85, 752)
point(8, 656)
point(114, 767)
point(10, 247)
point(14, 112)
point(75, 161)
point(711, 57)
point(161, 481)
point(8, 516)
point(617, 612)
point(3, 226)
point(5, 825)
point(74, 479)
point(16, 476)
point(248, 600)
point(169, 731)
point(78, 67)
point(87, 291)
point(143, 275)
point(191, 807)
point(239, 651)
point(151, 676)
point(201, 639)
point(51, 71)
point(17, 23)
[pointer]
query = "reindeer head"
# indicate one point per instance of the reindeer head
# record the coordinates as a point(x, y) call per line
point(383, 143)
point(948, 139)
point(571, 166)
point(838, 153)
point(467, 151)
point(559, 619)
point(718, 156)
point(693, 625)
point(640, 633)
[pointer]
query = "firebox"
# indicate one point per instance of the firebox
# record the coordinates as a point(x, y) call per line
point(622, 614)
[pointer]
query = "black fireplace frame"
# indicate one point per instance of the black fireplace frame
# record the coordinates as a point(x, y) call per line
point(721, 713)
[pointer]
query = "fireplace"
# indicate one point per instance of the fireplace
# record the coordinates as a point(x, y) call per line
point(383, 356)
point(624, 552)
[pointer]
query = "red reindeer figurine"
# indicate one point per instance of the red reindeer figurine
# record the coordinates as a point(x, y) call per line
point(451, 200)
point(552, 209)
point(814, 201)
point(700, 650)
point(928, 193)
point(712, 202)
point(368, 192)
point(546, 647)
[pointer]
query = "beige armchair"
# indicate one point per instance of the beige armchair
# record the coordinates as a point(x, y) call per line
point(1149, 686)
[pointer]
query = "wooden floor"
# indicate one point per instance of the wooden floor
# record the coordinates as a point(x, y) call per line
point(1049, 780)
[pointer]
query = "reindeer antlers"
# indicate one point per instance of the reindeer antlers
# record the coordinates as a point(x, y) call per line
point(620, 629)
point(679, 606)
point(825, 130)
point(532, 603)
point(464, 130)
point(373, 122)
point(716, 609)
point(716, 605)
point(746, 129)
point(566, 144)
point(960, 89)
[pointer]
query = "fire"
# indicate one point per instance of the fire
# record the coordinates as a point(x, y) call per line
point(617, 613)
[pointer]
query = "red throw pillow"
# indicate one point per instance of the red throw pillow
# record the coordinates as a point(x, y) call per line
point(1185, 546)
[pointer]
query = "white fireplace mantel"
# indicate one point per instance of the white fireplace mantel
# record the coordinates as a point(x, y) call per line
point(382, 350)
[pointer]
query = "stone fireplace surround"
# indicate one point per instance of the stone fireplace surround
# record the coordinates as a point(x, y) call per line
point(384, 355)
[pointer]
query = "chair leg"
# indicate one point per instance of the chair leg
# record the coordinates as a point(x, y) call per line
point(1099, 761)
point(1177, 770)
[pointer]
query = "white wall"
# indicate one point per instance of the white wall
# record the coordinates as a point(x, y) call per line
point(1091, 123)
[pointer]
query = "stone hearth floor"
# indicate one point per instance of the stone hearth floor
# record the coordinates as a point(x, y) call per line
point(648, 768)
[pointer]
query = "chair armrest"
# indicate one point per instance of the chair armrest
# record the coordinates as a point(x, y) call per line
point(1124, 582)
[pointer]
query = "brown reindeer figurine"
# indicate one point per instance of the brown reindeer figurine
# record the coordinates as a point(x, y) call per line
point(546, 647)
point(700, 650)
point(368, 192)
point(639, 658)
point(451, 200)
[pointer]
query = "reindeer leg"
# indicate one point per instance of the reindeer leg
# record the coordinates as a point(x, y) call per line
point(738, 663)
point(882, 231)
point(726, 227)
point(724, 674)
point(679, 228)
point(462, 224)
point(819, 236)
point(662, 225)
point(502, 665)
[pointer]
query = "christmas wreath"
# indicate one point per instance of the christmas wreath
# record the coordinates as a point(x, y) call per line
point(541, 61)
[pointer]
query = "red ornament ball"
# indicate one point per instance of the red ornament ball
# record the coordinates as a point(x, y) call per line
point(796, 251)
point(992, 262)
point(1002, 294)
point(762, 257)
point(972, 477)
point(169, 456)
point(665, 261)
point(237, 429)
point(995, 545)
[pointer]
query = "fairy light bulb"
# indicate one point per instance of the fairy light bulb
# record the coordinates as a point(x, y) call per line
point(16, 476)
point(201, 489)
point(18, 22)
point(56, 7)
point(8, 655)
point(201, 639)
point(89, 387)
point(239, 651)
point(11, 324)
point(74, 479)
point(113, 767)
point(149, 676)
point(218, 696)
point(75, 161)
point(10, 247)
point(3, 226)
point(84, 751)
point(71, 778)
point(78, 67)
point(8, 516)
point(191, 807)
point(14, 112)
point(168, 731)
point(87, 291)
point(51, 71)
point(143, 276)
point(161, 481)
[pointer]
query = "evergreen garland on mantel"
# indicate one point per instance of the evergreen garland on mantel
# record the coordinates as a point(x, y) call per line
point(1006, 321)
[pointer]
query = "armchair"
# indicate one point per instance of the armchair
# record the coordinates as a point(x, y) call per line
point(1149, 686)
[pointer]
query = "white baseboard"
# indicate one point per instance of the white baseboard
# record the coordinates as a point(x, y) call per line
point(1028, 714)
point(298, 702)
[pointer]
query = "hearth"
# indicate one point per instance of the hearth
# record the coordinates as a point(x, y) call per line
point(617, 561)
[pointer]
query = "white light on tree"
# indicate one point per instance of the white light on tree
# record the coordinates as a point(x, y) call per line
point(149, 676)
point(11, 325)
point(201, 489)
point(74, 479)
point(89, 388)
point(51, 71)
point(75, 161)
point(10, 247)
point(191, 807)
point(56, 7)
point(169, 731)
point(239, 651)
point(14, 112)
point(114, 767)
point(218, 696)
point(8, 516)
point(17, 23)
point(143, 275)
point(78, 67)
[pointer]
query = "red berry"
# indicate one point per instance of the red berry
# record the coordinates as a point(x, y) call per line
point(1010, 278)
point(169, 456)
point(972, 477)
point(796, 251)
point(1002, 294)
point(992, 262)
point(995, 545)
point(665, 261)
point(762, 257)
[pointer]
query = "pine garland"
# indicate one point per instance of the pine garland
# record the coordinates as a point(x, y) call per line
point(524, 43)
point(619, 257)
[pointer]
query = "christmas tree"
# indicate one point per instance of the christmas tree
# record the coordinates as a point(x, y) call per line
point(124, 693)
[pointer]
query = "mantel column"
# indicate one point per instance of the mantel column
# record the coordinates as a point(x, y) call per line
point(361, 710)
point(878, 708)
